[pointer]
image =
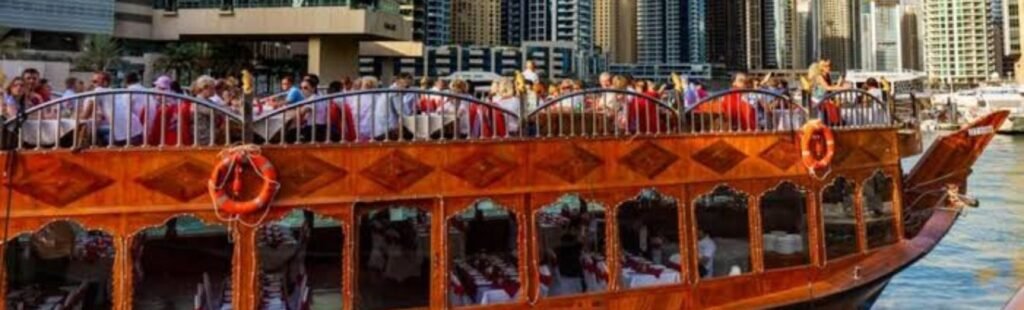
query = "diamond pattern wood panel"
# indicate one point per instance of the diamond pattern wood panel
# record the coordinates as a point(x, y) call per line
point(649, 160)
point(183, 180)
point(57, 182)
point(481, 169)
point(397, 171)
point(570, 164)
point(720, 157)
point(302, 173)
point(783, 154)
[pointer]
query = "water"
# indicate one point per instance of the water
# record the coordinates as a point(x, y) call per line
point(980, 263)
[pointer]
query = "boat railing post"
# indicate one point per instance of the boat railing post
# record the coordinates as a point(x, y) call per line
point(913, 108)
point(247, 103)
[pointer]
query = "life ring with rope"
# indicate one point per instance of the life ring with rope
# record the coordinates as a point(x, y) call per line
point(233, 163)
point(809, 131)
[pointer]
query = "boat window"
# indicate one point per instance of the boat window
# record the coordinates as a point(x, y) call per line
point(300, 262)
point(483, 256)
point(571, 233)
point(649, 235)
point(784, 227)
point(723, 233)
point(840, 217)
point(394, 256)
point(61, 266)
point(878, 210)
point(163, 279)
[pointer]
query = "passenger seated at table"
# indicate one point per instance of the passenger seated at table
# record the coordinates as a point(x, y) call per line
point(706, 250)
point(116, 121)
point(371, 111)
point(737, 109)
point(570, 269)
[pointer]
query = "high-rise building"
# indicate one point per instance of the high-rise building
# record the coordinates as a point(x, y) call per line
point(959, 42)
point(1010, 33)
point(727, 34)
point(81, 16)
point(476, 22)
point(671, 31)
point(574, 22)
point(778, 34)
point(615, 29)
point(539, 20)
point(882, 35)
point(912, 27)
point(432, 21)
point(513, 21)
point(838, 22)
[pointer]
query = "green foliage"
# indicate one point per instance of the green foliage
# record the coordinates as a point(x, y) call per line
point(100, 53)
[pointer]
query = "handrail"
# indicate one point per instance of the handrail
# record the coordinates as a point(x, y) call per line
point(745, 111)
point(554, 101)
point(857, 108)
point(718, 95)
point(113, 92)
point(120, 117)
point(862, 94)
point(421, 92)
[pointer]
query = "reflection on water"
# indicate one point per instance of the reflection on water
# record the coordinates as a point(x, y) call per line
point(980, 263)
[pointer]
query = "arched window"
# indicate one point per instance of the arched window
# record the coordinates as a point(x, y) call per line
point(840, 216)
point(484, 267)
point(878, 210)
point(172, 260)
point(784, 227)
point(723, 233)
point(394, 257)
point(300, 262)
point(60, 266)
point(571, 237)
point(649, 235)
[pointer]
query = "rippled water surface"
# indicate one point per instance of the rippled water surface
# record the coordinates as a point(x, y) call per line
point(980, 263)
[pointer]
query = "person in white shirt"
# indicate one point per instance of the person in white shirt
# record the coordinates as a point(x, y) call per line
point(507, 99)
point(371, 111)
point(706, 250)
point(144, 106)
point(204, 88)
point(530, 73)
point(117, 122)
point(317, 114)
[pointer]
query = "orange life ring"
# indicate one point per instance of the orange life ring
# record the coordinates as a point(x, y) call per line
point(234, 163)
point(809, 130)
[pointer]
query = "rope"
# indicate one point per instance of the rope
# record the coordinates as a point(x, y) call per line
point(242, 152)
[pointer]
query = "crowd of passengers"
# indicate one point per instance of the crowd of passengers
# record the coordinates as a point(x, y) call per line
point(135, 119)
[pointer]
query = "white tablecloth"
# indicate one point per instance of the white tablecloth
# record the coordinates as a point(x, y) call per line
point(632, 279)
point(875, 115)
point(48, 131)
point(269, 127)
point(424, 125)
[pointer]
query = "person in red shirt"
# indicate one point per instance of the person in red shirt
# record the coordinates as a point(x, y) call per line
point(736, 109)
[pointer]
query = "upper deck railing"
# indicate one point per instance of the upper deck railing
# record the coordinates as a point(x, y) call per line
point(151, 119)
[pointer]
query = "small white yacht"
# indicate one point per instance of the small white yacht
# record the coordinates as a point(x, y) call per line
point(977, 102)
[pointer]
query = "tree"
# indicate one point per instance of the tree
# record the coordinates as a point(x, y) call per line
point(101, 52)
point(180, 59)
point(11, 46)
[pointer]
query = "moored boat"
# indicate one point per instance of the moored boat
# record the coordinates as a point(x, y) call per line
point(595, 199)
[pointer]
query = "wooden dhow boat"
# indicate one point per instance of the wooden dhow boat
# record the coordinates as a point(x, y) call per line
point(383, 199)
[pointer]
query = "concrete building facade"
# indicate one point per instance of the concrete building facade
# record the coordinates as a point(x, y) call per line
point(959, 42)
point(882, 35)
point(615, 29)
point(476, 22)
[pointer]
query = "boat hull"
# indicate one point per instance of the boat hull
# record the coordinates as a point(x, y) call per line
point(862, 297)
